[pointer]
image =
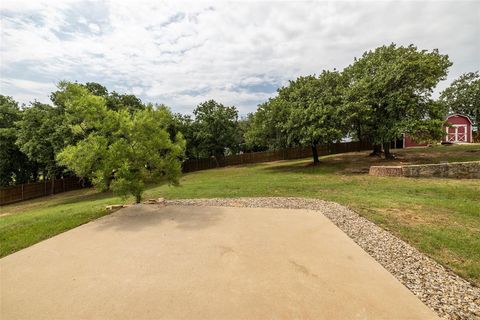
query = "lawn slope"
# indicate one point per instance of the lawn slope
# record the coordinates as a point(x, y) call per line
point(441, 217)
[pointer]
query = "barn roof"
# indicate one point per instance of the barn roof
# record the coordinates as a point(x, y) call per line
point(459, 115)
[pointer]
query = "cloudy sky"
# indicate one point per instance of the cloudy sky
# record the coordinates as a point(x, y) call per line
point(238, 53)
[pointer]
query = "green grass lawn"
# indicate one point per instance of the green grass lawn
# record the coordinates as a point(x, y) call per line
point(441, 217)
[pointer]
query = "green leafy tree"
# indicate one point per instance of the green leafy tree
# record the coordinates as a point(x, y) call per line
point(244, 125)
point(97, 89)
point(188, 127)
point(463, 96)
point(120, 150)
point(216, 128)
point(266, 129)
point(60, 96)
point(114, 101)
point(41, 134)
point(15, 167)
point(130, 102)
point(389, 93)
point(316, 106)
point(306, 112)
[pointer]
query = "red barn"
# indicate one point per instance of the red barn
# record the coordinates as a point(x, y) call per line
point(458, 129)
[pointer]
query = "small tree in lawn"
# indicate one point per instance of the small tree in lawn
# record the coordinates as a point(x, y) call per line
point(463, 96)
point(120, 150)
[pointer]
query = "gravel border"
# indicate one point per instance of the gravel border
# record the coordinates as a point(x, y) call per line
point(439, 288)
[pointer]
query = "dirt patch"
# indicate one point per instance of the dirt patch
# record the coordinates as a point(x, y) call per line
point(411, 217)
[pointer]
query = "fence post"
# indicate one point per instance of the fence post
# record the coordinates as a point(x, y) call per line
point(22, 191)
point(45, 190)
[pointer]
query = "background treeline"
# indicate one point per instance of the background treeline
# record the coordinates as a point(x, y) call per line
point(383, 94)
point(113, 140)
point(32, 136)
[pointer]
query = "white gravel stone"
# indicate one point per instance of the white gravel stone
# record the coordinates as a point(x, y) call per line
point(449, 295)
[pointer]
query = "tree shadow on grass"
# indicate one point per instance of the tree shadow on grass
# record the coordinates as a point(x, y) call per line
point(64, 198)
point(97, 195)
point(304, 168)
point(94, 196)
point(342, 164)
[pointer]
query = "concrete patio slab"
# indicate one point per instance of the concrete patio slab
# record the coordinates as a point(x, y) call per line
point(174, 262)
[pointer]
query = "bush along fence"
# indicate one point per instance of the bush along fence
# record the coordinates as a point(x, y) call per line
point(284, 154)
point(38, 189)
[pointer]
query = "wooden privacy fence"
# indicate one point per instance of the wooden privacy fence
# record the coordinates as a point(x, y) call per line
point(285, 154)
point(38, 189)
point(44, 188)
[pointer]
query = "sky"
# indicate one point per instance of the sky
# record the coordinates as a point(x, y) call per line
point(238, 53)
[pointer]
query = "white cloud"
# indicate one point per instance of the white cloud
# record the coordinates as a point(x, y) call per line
point(26, 84)
point(94, 27)
point(27, 91)
point(181, 53)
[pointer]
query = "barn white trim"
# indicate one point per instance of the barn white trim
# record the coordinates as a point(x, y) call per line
point(457, 136)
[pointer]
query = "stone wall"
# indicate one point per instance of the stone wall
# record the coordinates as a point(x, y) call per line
point(391, 171)
point(455, 170)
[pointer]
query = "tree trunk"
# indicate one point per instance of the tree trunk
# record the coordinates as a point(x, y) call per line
point(53, 184)
point(386, 149)
point(377, 150)
point(138, 198)
point(216, 156)
point(315, 154)
point(34, 177)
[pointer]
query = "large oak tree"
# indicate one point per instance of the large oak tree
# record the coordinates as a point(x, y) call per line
point(315, 107)
point(41, 134)
point(216, 128)
point(390, 93)
point(308, 111)
point(15, 167)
